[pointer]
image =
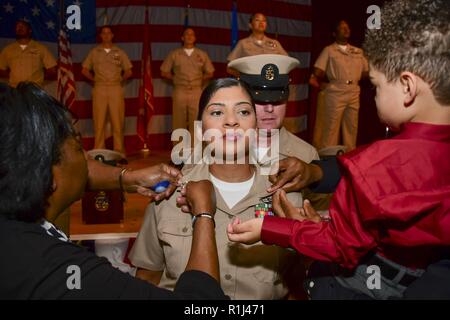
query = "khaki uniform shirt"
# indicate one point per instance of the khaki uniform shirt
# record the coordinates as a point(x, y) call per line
point(246, 272)
point(340, 65)
point(27, 64)
point(290, 146)
point(107, 67)
point(250, 47)
point(187, 70)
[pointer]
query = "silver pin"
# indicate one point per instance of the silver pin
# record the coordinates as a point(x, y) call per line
point(183, 185)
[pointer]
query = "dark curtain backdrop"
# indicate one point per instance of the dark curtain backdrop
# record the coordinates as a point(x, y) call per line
point(325, 14)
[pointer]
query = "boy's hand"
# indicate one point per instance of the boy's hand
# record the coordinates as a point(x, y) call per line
point(248, 232)
point(285, 209)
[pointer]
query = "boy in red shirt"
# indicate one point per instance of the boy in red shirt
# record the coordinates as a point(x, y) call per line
point(391, 209)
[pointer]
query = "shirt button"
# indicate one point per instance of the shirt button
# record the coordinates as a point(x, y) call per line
point(185, 229)
point(230, 217)
point(228, 276)
point(311, 284)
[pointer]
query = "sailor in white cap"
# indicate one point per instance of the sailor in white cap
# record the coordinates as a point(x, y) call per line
point(267, 75)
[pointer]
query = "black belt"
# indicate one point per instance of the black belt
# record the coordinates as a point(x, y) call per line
point(390, 272)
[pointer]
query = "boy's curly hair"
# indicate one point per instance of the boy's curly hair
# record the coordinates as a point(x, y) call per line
point(414, 37)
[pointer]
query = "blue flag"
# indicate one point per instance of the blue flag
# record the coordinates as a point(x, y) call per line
point(186, 16)
point(234, 26)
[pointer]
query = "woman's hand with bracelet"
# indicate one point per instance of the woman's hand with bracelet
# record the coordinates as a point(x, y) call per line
point(198, 197)
point(142, 180)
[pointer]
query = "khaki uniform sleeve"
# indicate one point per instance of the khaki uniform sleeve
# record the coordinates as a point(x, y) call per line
point(322, 60)
point(281, 49)
point(47, 58)
point(314, 154)
point(147, 252)
point(126, 63)
point(3, 60)
point(167, 64)
point(88, 63)
point(236, 53)
point(208, 66)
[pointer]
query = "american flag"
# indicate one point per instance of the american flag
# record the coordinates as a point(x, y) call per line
point(66, 80)
point(288, 20)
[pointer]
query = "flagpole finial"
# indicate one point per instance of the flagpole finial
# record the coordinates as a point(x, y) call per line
point(105, 17)
point(145, 149)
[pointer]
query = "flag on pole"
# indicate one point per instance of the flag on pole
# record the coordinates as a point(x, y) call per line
point(234, 25)
point(146, 106)
point(186, 15)
point(290, 19)
point(66, 80)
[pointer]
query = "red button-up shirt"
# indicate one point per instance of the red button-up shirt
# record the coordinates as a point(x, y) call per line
point(393, 198)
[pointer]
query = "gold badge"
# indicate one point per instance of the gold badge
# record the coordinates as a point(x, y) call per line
point(101, 202)
point(270, 73)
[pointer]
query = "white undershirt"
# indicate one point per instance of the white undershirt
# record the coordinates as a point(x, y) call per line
point(107, 50)
point(261, 153)
point(233, 192)
point(23, 46)
point(189, 51)
point(343, 47)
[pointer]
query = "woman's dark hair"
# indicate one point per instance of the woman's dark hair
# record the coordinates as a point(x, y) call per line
point(215, 86)
point(33, 128)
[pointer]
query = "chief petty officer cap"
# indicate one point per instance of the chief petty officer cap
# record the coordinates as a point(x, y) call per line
point(267, 75)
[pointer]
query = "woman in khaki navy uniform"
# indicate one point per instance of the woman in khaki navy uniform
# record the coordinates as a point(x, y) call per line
point(256, 43)
point(26, 59)
point(188, 68)
point(247, 272)
point(343, 65)
point(111, 67)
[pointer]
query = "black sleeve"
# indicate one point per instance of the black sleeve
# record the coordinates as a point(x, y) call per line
point(100, 280)
point(39, 266)
point(331, 176)
point(433, 284)
point(188, 286)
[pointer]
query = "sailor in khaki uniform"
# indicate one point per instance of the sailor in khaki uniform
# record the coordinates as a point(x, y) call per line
point(247, 272)
point(111, 67)
point(188, 68)
point(256, 43)
point(268, 79)
point(26, 59)
point(343, 65)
